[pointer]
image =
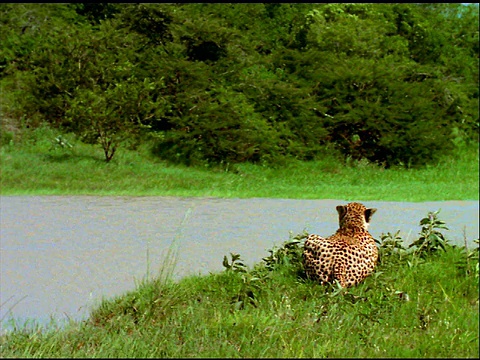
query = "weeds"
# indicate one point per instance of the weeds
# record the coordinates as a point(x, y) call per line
point(60, 142)
point(290, 253)
point(236, 265)
point(391, 245)
point(431, 239)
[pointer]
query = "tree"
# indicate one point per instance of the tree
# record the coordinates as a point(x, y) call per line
point(109, 103)
point(377, 101)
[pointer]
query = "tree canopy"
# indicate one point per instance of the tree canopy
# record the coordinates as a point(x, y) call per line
point(395, 84)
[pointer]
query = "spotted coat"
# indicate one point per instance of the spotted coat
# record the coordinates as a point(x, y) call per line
point(349, 255)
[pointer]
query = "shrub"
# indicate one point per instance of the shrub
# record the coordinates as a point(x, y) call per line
point(218, 127)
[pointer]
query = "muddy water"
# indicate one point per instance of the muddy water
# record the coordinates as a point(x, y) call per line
point(61, 254)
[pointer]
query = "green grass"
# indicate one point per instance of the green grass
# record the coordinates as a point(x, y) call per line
point(414, 305)
point(34, 167)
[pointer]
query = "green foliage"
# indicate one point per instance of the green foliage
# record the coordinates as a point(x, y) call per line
point(376, 102)
point(85, 88)
point(61, 142)
point(236, 265)
point(6, 138)
point(235, 83)
point(95, 12)
point(147, 20)
point(288, 255)
point(431, 240)
point(390, 246)
point(219, 127)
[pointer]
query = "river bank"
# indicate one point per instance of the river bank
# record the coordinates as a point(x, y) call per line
point(74, 250)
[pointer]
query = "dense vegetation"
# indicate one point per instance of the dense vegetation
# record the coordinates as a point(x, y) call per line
point(421, 302)
point(395, 84)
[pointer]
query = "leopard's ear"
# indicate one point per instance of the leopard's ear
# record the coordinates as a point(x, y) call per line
point(369, 213)
point(342, 210)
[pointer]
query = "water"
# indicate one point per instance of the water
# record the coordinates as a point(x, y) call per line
point(61, 254)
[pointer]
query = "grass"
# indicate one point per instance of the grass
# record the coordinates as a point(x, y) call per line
point(420, 302)
point(35, 166)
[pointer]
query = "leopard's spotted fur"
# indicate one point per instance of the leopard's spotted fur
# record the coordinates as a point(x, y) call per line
point(349, 255)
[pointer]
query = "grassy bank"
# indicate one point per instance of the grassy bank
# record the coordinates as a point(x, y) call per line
point(420, 302)
point(36, 166)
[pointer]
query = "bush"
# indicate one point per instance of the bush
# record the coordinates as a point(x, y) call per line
point(383, 115)
point(220, 127)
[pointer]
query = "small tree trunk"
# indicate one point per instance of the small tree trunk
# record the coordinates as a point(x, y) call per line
point(109, 147)
point(109, 156)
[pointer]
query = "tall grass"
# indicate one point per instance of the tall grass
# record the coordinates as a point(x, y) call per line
point(36, 164)
point(420, 302)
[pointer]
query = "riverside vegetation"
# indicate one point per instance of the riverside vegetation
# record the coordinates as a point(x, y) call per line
point(421, 301)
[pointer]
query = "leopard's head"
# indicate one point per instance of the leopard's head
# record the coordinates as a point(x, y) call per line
point(354, 215)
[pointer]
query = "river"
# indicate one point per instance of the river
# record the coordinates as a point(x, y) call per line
point(61, 254)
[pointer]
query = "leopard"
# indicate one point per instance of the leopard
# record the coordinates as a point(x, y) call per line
point(346, 257)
